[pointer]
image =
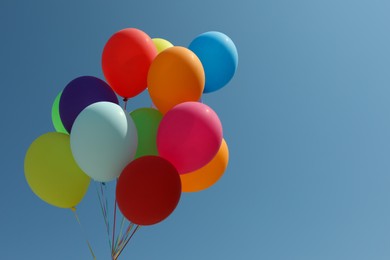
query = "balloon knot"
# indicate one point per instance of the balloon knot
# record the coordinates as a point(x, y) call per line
point(125, 99)
point(73, 209)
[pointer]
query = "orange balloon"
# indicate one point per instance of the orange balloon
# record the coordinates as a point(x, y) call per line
point(209, 174)
point(175, 76)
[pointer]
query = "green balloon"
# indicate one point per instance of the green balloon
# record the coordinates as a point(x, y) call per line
point(146, 121)
point(55, 115)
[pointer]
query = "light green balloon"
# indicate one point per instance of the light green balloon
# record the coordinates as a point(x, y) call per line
point(55, 115)
point(103, 140)
point(146, 121)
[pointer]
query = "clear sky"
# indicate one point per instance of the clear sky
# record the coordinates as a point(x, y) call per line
point(306, 118)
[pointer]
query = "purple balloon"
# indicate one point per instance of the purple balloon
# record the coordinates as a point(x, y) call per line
point(80, 93)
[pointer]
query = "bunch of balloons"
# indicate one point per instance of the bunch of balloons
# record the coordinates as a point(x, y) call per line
point(155, 152)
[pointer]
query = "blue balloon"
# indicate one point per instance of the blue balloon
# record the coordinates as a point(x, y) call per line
point(219, 58)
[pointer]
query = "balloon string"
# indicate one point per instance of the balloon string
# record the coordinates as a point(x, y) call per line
point(105, 207)
point(127, 240)
point(105, 204)
point(101, 205)
point(83, 231)
point(106, 200)
point(124, 238)
point(119, 237)
point(114, 225)
point(113, 230)
point(104, 191)
point(123, 247)
point(104, 212)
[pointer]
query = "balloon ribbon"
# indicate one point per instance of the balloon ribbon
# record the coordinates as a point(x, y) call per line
point(103, 207)
point(113, 229)
point(123, 245)
point(83, 231)
point(123, 238)
point(119, 238)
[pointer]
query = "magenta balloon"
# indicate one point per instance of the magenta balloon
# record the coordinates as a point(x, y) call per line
point(189, 136)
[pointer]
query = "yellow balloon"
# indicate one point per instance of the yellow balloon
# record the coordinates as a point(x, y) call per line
point(161, 44)
point(52, 173)
point(209, 174)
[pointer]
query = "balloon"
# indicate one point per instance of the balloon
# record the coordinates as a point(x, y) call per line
point(175, 76)
point(52, 173)
point(161, 44)
point(209, 174)
point(146, 121)
point(103, 140)
point(219, 58)
point(55, 116)
point(148, 190)
point(126, 60)
point(80, 93)
point(189, 136)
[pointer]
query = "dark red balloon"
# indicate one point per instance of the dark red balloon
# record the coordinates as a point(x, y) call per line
point(126, 59)
point(148, 190)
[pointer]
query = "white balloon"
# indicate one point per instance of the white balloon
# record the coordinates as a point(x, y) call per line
point(103, 140)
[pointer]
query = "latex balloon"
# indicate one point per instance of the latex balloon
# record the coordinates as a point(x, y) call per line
point(189, 136)
point(161, 44)
point(146, 121)
point(219, 58)
point(175, 76)
point(209, 174)
point(52, 173)
point(103, 140)
point(80, 93)
point(126, 60)
point(148, 190)
point(55, 115)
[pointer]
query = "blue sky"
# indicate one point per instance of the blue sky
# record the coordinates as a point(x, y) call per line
point(306, 119)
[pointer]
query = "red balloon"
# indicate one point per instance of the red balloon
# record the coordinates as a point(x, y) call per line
point(126, 59)
point(148, 190)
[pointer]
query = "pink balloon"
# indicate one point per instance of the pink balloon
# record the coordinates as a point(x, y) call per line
point(189, 136)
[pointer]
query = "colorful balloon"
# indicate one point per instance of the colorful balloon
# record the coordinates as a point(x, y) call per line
point(146, 121)
point(175, 76)
point(55, 115)
point(52, 173)
point(103, 140)
point(148, 190)
point(80, 93)
point(189, 136)
point(126, 59)
point(219, 58)
point(209, 174)
point(161, 44)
